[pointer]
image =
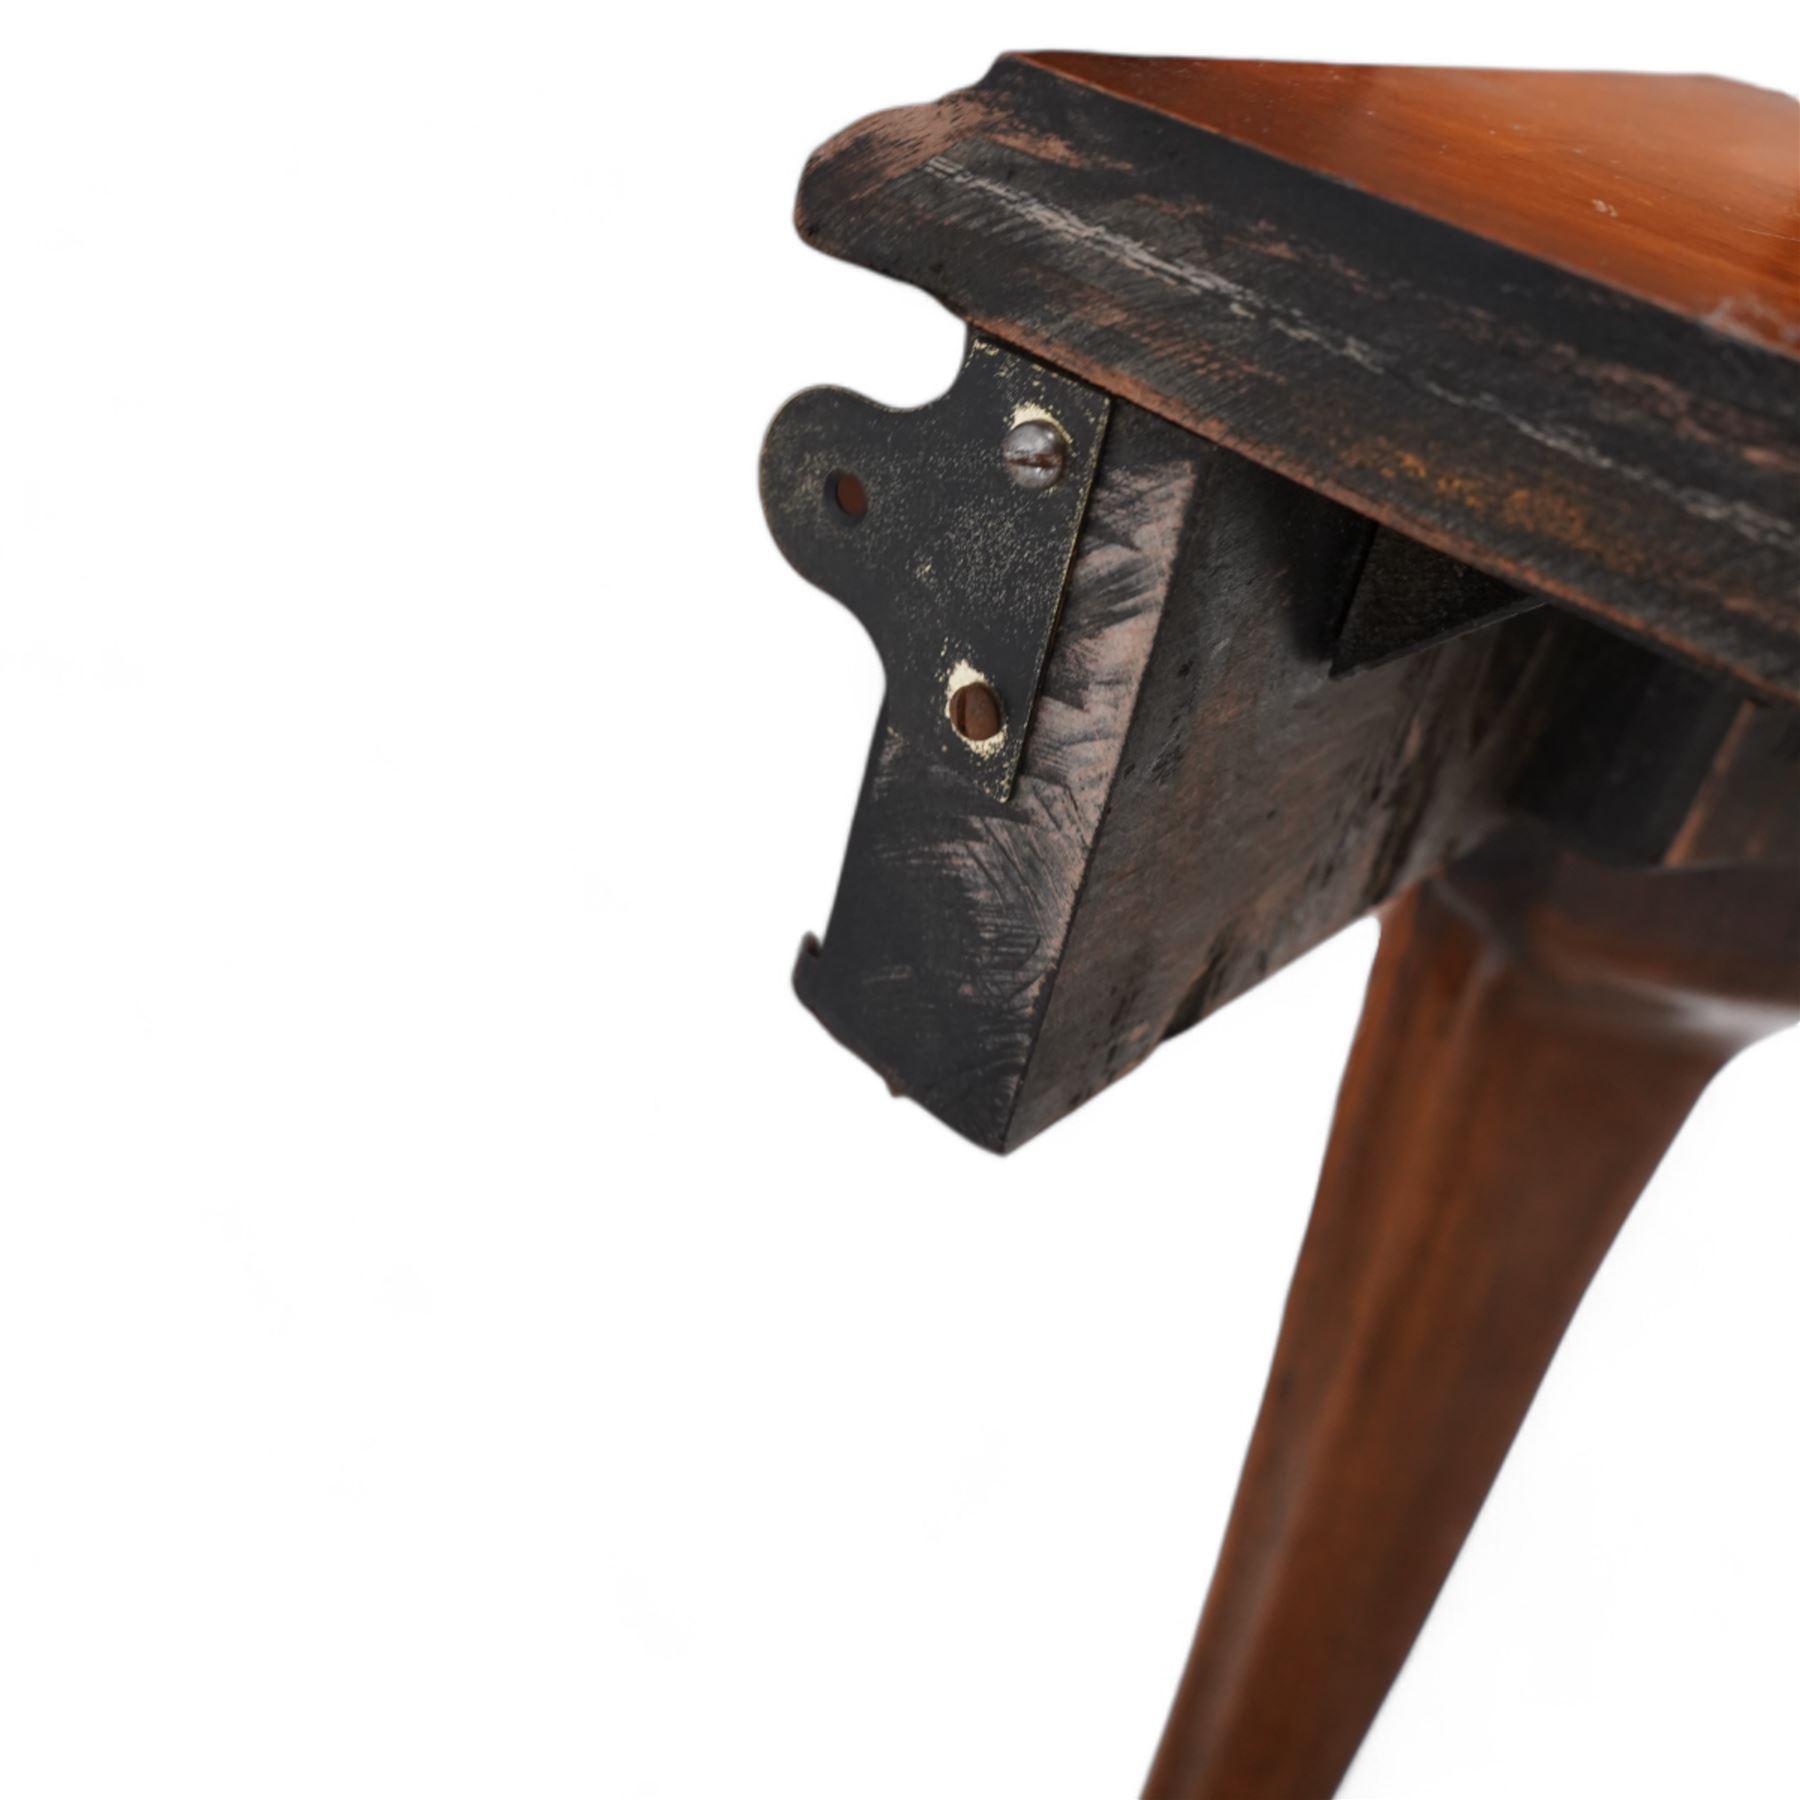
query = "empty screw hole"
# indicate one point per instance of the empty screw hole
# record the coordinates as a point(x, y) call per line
point(847, 494)
point(975, 712)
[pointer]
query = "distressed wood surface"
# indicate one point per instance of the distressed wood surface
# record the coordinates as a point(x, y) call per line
point(1261, 805)
point(1681, 189)
point(1747, 806)
point(952, 909)
point(1536, 1031)
point(939, 521)
point(1636, 460)
point(1381, 388)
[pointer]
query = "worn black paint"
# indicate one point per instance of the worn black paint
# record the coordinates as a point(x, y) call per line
point(1555, 432)
point(949, 562)
point(1262, 714)
point(1409, 596)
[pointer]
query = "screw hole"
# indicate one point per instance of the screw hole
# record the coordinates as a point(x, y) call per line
point(847, 494)
point(975, 712)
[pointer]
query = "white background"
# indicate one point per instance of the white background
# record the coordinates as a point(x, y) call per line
point(464, 1330)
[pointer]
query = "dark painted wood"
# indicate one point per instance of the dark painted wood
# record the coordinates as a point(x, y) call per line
point(936, 520)
point(1261, 804)
point(1747, 807)
point(952, 909)
point(1681, 189)
point(1536, 1031)
point(1409, 595)
point(1199, 799)
point(1265, 712)
point(1556, 430)
point(1204, 793)
point(1621, 743)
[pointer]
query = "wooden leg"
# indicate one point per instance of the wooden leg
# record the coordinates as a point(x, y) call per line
point(1535, 1033)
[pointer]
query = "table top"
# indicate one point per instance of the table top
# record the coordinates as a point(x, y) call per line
point(1547, 324)
point(1683, 190)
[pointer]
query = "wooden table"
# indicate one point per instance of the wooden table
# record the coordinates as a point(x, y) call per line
point(1366, 488)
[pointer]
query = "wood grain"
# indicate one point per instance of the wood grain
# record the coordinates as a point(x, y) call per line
point(1260, 805)
point(1535, 1032)
point(1202, 797)
point(1681, 189)
point(1630, 457)
point(951, 913)
point(1199, 800)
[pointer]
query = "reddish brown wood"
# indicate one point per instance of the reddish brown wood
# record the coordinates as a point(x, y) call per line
point(1535, 1033)
point(1351, 320)
point(1682, 189)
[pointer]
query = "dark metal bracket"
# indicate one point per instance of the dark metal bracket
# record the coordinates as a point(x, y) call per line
point(948, 532)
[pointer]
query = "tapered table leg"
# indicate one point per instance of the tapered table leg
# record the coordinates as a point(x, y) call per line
point(1535, 1033)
